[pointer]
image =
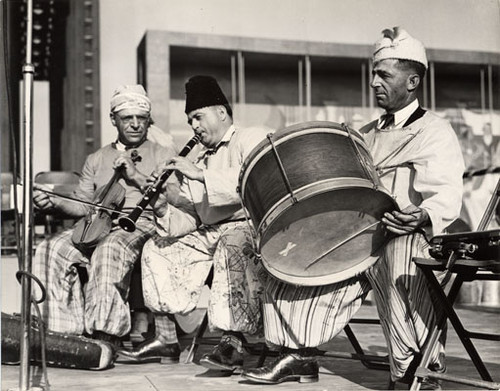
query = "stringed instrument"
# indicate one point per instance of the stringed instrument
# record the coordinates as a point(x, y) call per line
point(108, 201)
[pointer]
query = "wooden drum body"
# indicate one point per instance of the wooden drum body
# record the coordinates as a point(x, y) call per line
point(315, 200)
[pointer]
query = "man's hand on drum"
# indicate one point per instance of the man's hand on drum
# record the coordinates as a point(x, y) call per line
point(406, 221)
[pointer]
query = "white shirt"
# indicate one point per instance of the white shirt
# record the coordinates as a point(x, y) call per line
point(426, 169)
point(192, 203)
point(401, 116)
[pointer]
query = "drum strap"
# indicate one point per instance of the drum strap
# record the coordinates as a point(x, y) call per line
point(361, 158)
point(380, 167)
point(418, 113)
point(388, 169)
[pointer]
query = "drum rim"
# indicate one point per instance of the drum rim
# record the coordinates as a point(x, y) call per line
point(314, 189)
point(306, 192)
point(288, 133)
point(360, 268)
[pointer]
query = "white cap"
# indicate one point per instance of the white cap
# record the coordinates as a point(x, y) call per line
point(130, 97)
point(398, 44)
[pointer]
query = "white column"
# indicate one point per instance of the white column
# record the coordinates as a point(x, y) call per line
point(308, 87)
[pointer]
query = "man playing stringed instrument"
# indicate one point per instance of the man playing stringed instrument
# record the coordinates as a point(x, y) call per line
point(100, 308)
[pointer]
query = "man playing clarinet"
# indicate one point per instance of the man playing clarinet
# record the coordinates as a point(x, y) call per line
point(201, 227)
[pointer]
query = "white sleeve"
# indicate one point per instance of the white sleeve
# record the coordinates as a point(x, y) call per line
point(438, 177)
point(181, 217)
point(221, 186)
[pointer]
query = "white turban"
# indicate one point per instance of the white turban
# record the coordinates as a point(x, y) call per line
point(398, 44)
point(130, 97)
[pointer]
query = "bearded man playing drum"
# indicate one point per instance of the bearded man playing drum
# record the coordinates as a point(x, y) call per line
point(200, 226)
point(418, 158)
point(100, 308)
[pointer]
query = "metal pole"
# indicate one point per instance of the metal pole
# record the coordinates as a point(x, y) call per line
point(27, 237)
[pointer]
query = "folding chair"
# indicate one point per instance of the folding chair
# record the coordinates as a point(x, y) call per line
point(370, 361)
point(8, 217)
point(7, 182)
point(60, 182)
point(465, 270)
point(471, 256)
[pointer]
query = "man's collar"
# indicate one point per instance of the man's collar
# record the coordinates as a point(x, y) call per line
point(225, 139)
point(227, 136)
point(122, 147)
point(402, 115)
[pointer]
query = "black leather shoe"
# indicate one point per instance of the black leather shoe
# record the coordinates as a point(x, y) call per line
point(226, 356)
point(152, 350)
point(288, 367)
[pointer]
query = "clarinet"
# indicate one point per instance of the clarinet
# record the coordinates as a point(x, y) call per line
point(128, 222)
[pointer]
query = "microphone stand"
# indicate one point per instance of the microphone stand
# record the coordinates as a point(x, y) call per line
point(27, 211)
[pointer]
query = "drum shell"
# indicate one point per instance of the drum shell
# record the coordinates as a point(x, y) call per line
point(331, 178)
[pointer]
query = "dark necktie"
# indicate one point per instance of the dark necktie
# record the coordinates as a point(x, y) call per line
point(213, 151)
point(387, 120)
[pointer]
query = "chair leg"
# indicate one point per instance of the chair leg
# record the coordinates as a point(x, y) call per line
point(463, 334)
point(195, 342)
point(365, 359)
point(370, 361)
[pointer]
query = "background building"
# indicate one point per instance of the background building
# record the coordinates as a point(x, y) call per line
point(279, 61)
point(305, 60)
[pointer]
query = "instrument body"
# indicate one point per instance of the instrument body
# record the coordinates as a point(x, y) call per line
point(97, 224)
point(61, 349)
point(477, 245)
point(315, 200)
point(128, 222)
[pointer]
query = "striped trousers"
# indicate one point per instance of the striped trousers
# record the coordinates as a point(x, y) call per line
point(101, 304)
point(174, 271)
point(300, 316)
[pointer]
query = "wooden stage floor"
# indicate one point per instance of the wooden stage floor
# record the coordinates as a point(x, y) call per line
point(335, 373)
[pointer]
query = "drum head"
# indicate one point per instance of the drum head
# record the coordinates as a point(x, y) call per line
point(327, 237)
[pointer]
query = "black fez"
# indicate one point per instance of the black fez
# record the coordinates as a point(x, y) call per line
point(203, 91)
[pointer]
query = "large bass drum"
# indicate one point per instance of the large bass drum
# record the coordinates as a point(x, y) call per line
point(316, 201)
